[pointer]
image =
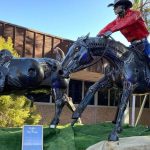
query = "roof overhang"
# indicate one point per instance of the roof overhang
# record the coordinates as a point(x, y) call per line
point(86, 76)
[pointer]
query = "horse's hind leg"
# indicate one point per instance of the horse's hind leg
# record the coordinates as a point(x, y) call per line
point(127, 91)
point(72, 108)
point(60, 101)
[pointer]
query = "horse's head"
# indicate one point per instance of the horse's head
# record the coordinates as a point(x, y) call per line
point(77, 57)
point(5, 55)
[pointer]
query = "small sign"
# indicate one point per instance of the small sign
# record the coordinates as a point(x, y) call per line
point(32, 137)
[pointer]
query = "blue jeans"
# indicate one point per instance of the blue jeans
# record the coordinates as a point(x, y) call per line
point(147, 48)
point(143, 47)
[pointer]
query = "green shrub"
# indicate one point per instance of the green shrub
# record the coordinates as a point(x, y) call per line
point(7, 44)
point(15, 110)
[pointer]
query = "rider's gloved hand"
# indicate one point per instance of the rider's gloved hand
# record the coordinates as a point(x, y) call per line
point(98, 35)
point(107, 34)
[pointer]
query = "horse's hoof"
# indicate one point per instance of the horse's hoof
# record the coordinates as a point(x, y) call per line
point(73, 122)
point(54, 123)
point(75, 115)
point(113, 136)
point(52, 126)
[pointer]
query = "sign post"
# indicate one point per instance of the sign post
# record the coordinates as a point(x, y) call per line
point(32, 137)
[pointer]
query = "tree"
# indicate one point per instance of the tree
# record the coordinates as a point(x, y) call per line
point(15, 110)
point(144, 7)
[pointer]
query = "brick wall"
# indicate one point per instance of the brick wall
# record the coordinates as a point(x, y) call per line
point(92, 114)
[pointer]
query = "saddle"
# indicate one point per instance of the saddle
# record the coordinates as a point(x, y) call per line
point(138, 48)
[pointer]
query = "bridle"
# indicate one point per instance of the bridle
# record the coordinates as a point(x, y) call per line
point(87, 47)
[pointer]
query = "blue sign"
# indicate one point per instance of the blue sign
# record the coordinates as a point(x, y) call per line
point(32, 137)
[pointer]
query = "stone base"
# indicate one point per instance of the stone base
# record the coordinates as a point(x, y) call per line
point(128, 143)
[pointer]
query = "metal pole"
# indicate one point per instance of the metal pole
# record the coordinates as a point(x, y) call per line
point(133, 111)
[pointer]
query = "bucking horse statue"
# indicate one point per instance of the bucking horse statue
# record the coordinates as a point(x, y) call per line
point(129, 71)
point(28, 74)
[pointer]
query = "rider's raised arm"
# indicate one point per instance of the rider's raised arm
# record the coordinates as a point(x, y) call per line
point(130, 18)
point(120, 23)
point(107, 28)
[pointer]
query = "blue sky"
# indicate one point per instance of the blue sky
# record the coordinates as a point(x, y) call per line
point(64, 18)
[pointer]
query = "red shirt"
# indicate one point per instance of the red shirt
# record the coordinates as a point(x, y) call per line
point(132, 26)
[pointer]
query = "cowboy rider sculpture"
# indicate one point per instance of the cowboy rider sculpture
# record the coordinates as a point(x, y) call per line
point(131, 24)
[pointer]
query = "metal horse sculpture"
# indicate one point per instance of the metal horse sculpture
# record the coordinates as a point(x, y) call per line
point(33, 73)
point(130, 71)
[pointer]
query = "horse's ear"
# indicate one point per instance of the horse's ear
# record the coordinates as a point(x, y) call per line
point(87, 36)
point(84, 37)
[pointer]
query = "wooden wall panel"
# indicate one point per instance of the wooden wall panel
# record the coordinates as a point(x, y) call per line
point(56, 42)
point(1, 29)
point(48, 46)
point(64, 45)
point(38, 45)
point(29, 44)
point(19, 39)
point(8, 32)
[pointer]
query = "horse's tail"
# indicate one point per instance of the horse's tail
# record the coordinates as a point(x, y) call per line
point(59, 54)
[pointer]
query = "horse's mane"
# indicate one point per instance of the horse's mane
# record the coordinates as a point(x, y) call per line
point(116, 46)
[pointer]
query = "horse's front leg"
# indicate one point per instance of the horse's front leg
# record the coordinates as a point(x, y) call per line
point(60, 100)
point(101, 84)
point(116, 115)
point(127, 91)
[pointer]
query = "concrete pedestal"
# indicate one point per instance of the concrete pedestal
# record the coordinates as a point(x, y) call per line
point(128, 143)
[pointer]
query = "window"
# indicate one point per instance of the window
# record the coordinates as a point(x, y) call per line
point(103, 97)
point(115, 96)
point(109, 97)
point(40, 97)
point(75, 91)
point(147, 103)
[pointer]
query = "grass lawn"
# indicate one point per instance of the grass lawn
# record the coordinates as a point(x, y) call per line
point(67, 138)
